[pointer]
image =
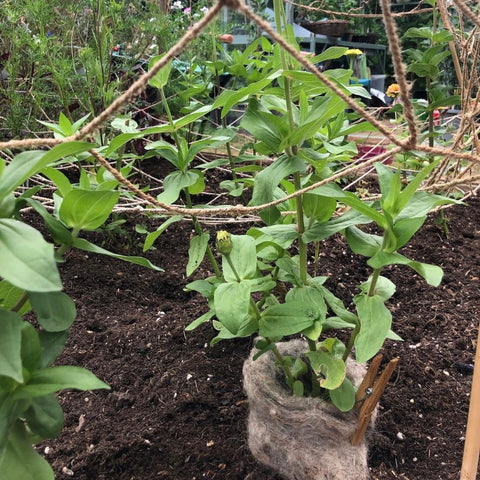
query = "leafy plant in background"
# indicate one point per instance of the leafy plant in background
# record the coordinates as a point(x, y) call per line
point(30, 284)
point(73, 57)
point(425, 61)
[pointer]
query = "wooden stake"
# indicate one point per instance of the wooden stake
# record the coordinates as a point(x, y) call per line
point(472, 437)
point(368, 380)
point(370, 402)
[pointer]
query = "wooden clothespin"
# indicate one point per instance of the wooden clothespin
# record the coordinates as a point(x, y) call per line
point(369, 393)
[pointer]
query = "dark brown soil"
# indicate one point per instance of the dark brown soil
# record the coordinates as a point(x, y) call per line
point(177, 409)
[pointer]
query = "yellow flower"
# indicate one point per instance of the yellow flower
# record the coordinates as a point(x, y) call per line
point(393, 91)
point(224, 242)
point(354, 52)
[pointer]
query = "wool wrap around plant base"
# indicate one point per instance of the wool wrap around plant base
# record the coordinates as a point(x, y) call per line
point(330, 28)
point(302, 438)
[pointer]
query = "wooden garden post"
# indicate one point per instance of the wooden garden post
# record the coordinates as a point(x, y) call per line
point(472, 437)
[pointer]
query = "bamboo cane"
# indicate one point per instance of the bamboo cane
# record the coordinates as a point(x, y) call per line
point(472, 437)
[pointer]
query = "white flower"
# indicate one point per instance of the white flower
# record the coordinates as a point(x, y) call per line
point(204, 10)
point(177, 5)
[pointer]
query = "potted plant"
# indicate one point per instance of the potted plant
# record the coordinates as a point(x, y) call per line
point(302, 378)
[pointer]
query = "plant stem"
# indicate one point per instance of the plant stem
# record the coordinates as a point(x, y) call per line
point(351, 342)
point(20, 302)
point(63, 248)
point(373, 283)
point(317, 257)
point(170, 119)
point(302, 247)
point(282, 363)
point(199, 231)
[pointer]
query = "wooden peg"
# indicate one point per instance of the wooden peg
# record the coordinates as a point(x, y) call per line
point(370, 402)
point(368, 380)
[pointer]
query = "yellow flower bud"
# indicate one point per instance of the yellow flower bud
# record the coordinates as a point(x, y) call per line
point(354, 52)
point(224, 242)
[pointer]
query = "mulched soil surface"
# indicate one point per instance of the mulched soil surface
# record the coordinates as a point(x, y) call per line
point(177, 409)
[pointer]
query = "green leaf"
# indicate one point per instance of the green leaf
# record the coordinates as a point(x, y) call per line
point(59, 179)
point(266, 127)
point(330, 368)
point(321, 231)
point(363, 243)
point(160, 79)
point(313, 332)
point(384, 287)
point(421, 203)
point(405, 228)
point(299, 368)
point(174, 183)
point(55, 310)
point(125, 124)
point(411, 189)
point(60, 233)
point(336, 323)
point(206, 317)
point(282, 235)
point(65, 124)
point(286, 319)
point(232, 305)
point(421, 32)
point(270, 177)
point(350, 199)
point(243, 257)
point(191, 117)
point(26, 259)
point(330, 53)
point(7, 205)
point(424, 70)
point(431, 273)
point(229, 98)
point(151, 237)
point(11, 325)
point(83, 244)
point(26, 164)
point(375, 323)
point(121, 140)
point(298, 388)
point(323, 109)
point(289, 271)
point(51, 344)
point(204, 287)
point(31, 350)
point(343, 397)
point(45, 416)
point(310, 296)
point(445, 102)
point(318, 207)
point(196, 252)
point(87, 209)
point(53, 379)
point(338, 307)
point(21, 460)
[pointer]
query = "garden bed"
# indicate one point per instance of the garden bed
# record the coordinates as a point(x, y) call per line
point(177, 409)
